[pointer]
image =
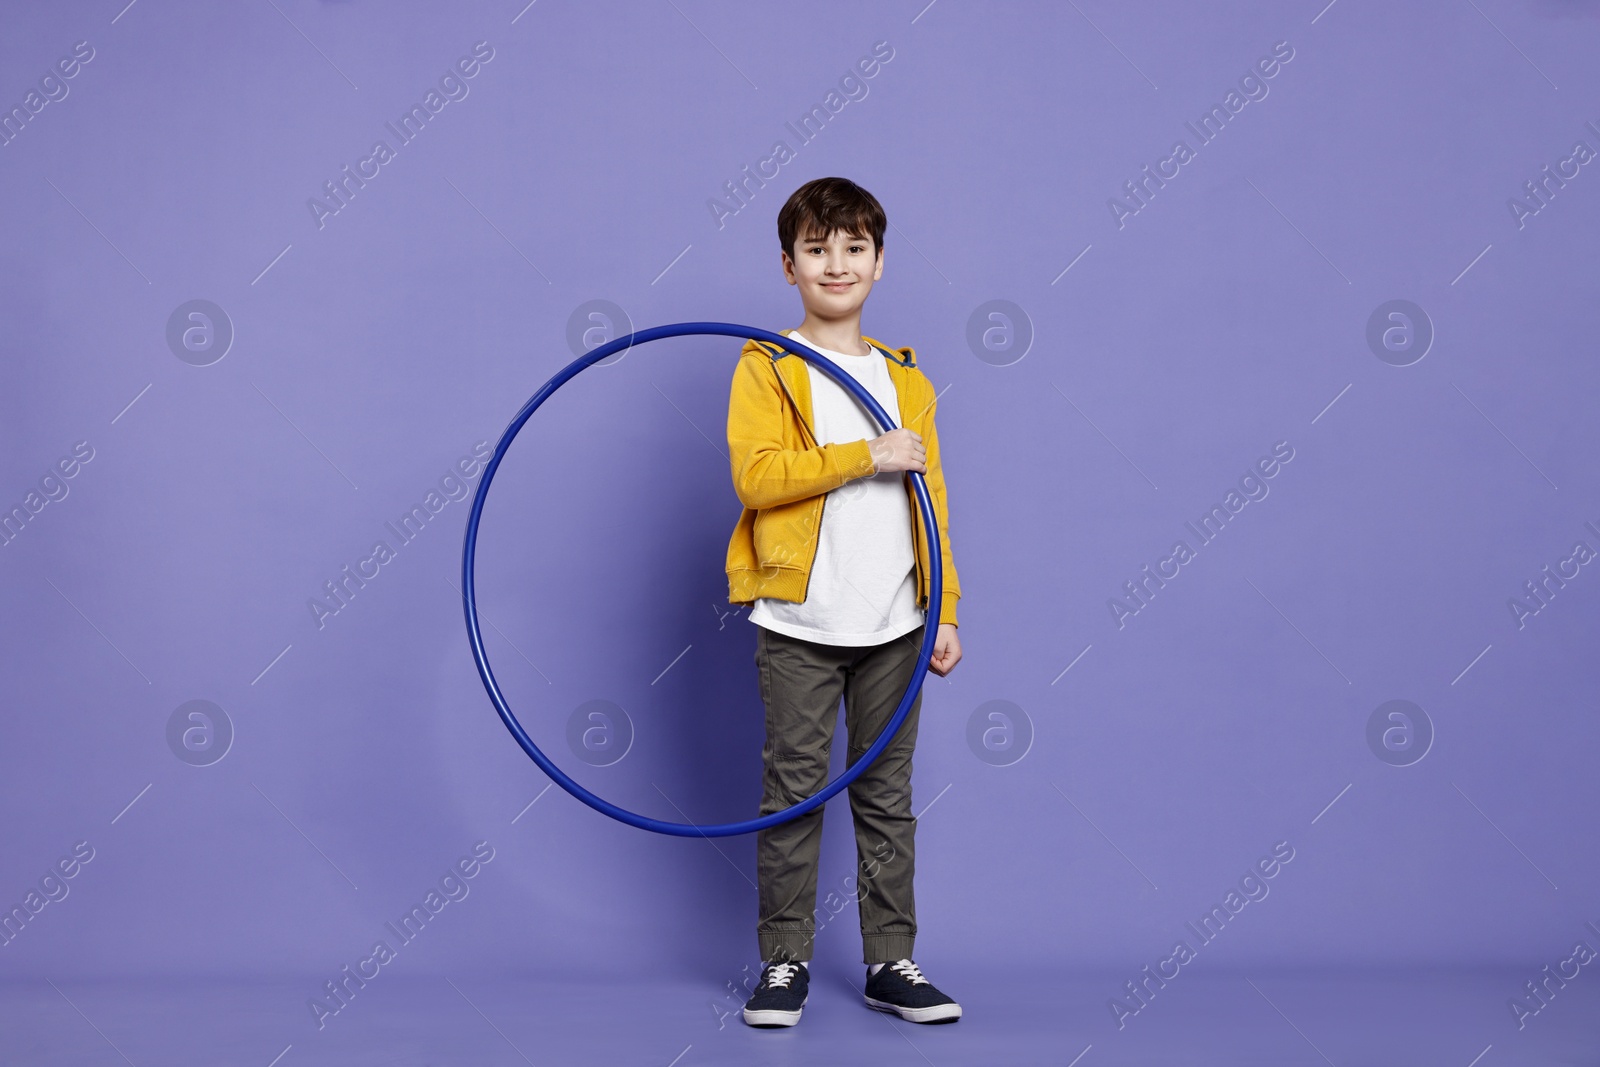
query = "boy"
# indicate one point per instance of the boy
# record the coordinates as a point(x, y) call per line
point(833, 560)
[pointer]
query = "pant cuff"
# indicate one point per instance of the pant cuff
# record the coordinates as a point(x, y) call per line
point(785, 944)
point(886, 948)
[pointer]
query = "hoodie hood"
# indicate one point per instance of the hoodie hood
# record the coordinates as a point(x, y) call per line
point(905, 357)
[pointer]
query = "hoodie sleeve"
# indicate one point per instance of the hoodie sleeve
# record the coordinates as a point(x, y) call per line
point(765, 474)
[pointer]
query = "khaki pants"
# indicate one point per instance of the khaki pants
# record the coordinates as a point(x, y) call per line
point(801, 683)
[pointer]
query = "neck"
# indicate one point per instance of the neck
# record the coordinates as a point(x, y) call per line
point(839, 335)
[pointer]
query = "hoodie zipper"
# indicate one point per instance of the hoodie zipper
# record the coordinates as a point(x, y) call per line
point(817, 536)
point(916, 560)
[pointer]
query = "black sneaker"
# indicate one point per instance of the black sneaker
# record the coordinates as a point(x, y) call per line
point(779, 997)
point(899, 987)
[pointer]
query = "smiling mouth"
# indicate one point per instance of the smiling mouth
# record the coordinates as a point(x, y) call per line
point(837, 286)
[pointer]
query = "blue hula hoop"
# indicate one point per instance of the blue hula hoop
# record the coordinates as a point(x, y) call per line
point(470, 599)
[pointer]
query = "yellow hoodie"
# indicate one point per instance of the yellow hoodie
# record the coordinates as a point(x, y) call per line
point(782, 476)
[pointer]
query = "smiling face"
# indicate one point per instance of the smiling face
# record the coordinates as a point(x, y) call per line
point(834, 274)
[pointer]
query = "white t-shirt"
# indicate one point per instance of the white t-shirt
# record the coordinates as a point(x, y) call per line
point(862, 589)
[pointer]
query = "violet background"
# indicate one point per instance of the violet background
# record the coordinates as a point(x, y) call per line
point(373, 352)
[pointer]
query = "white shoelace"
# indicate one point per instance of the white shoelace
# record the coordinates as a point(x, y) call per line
point(779, 974)
point(909, 971)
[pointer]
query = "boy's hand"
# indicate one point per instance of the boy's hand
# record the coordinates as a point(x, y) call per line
point(899, 450)
point(946, 650)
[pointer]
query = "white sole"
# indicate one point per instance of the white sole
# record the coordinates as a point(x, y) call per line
point(935, 1014)
point(773, 1017)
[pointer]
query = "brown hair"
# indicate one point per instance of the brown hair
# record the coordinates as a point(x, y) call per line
point(824, 206)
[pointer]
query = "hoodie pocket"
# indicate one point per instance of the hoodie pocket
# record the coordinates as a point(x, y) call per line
point(771, 552)
point(781, 534)
point(761, 535)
